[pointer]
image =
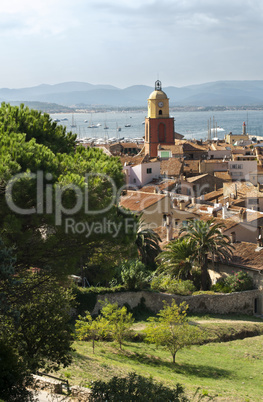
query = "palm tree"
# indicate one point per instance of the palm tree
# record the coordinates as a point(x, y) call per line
point(177, 259)
point(147, 243)
point(207, 239)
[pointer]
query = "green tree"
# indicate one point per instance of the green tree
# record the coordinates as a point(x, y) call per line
point(34, 326)
point(116, 320)
point(171, 328)
point(87, 328)
point(37, 323)
point(15, 378)
point(177, 259)
point(147, 243)
point(45, 236)
point(37, 125)
point(207, 239)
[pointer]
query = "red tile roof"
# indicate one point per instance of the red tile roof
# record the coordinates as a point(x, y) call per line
point(138, 201)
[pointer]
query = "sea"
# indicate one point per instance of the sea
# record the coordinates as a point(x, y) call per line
point(130, 124)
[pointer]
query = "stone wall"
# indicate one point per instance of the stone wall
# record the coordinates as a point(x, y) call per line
point(239, 302)
point(54, 387)
point(47, 384)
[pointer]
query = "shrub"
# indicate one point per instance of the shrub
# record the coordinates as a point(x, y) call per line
point(165, 283)
point(239, 282)
point(86, 297)
point(221, 287)
point(141, 311)
point(134, 275)
point(134, 387)
point(184, 288)
point(160, 282)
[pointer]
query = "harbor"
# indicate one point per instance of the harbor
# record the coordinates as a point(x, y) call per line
point(192, 125)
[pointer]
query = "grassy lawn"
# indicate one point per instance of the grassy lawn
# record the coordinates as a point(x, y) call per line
point(231, 370)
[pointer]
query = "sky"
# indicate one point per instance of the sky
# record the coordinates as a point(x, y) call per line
point(130, 42)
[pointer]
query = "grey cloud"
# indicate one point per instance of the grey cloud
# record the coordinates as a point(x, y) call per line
point(189, 13)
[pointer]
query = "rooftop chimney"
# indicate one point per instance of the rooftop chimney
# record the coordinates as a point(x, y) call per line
point(233, 237)
point(167, 218)
point(182, 205)
point(243, 215)
point(224, 212)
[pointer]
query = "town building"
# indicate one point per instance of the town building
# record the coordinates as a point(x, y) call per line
point(237, 138)
point(140, 170)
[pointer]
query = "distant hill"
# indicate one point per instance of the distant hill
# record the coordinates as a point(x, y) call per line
point(44, 106)
point(72, 94)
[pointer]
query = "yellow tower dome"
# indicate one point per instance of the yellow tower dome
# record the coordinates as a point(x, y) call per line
point(158, 102)
point(158, 95)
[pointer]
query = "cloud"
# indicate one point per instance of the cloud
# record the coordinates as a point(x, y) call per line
point(179, 38)
point(29, 17)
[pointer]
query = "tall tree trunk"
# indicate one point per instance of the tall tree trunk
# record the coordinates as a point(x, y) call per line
point(204, 273)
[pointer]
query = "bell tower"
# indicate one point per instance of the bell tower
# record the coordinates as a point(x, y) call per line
point(159, 126)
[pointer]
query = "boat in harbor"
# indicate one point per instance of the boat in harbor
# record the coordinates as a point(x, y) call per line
point(217, 129)
point(73, 123)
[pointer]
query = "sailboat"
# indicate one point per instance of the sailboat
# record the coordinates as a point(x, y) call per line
point(91, 125)
point(106, 127)
point(73, 124)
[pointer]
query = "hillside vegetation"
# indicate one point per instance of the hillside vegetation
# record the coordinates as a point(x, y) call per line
point(229, 371)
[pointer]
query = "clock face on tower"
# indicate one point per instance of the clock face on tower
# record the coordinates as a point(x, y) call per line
point(160, 104)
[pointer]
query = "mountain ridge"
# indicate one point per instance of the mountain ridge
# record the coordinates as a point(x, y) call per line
point(72, 93)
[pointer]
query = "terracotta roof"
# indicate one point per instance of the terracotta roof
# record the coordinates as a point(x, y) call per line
point(228, 223)
point(191, 166)
point(176, 149)
point(245, 255)
point(223, 175)
point(196, 178)
point(171, 167)
point(136, 160)
point(131, 145)
point(233, 219)
point(189, 146)
point(244, 190)
point(137, 201)
point(131, 160)
point(178, 136)
point(166, 185)
point(213, 195)
point(220, 147)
